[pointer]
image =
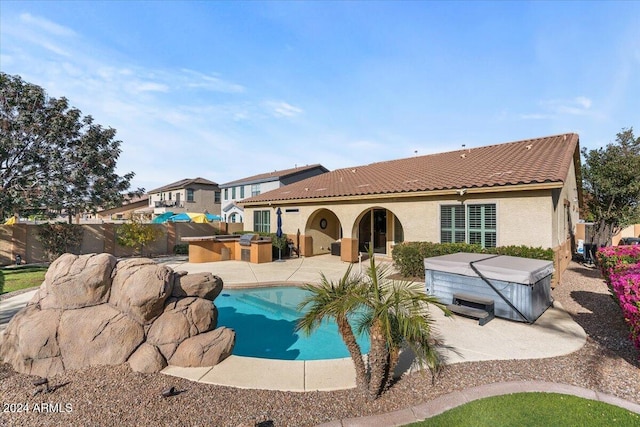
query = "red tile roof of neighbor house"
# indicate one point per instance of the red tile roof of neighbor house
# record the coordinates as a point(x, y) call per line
point(532, 161)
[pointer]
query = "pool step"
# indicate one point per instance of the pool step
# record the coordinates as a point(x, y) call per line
point(270, 306)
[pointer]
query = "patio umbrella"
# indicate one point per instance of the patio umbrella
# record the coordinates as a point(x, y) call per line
point(181, 217)
point(211, 217)
point(279, 223)
point(279, 231)
point(162, 218)
point(199, 218)
point(191, 217)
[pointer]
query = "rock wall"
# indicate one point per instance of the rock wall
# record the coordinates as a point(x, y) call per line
point(95, 310)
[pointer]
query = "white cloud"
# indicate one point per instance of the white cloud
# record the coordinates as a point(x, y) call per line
point(584, 102)
point(283, 109)
point(577, 106)
point(197, 80)
point(535, 116)
point(46, 25)
point(149, 87)
point(557, 108)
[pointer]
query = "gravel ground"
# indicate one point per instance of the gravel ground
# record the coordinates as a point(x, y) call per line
point(106, 396)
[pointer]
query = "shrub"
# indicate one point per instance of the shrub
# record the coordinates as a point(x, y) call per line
point(135, 234)
point(626, 287)
point(59, 238)
point(614, 258)
point(181, 249)
point(620, 266)
point(409, 256)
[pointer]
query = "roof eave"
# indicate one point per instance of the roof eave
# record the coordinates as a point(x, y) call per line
point(410, 194)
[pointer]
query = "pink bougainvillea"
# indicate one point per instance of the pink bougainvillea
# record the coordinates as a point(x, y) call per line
point(612, 259)
point(626, 287)
point(620, 265)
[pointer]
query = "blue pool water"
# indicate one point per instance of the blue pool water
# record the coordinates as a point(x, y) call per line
point(264, 320)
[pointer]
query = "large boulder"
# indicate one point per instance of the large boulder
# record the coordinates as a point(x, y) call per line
point(203, 285)
point(94, 310)
point(147, 359)
point(181, 319)
point(30, 343)
point(140, 288)
point(206, 349)
point(76, 281)
point(98, 335)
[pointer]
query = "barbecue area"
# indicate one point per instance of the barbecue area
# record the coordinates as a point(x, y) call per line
point(484, 285)
point(248, 247)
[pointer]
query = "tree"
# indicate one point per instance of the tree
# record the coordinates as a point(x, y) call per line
point(52, 158)
point(393, 313)
point(135, 234)
point(612, 185)
point(59, 238)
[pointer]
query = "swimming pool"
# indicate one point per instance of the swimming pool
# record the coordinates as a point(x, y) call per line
point(264, 320)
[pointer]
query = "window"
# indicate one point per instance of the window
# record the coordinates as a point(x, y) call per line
point(190, 195)
point(170, 195)
point(242, 192)
point(482, 225)
point(474, 224)
point(255, 189)
point(262, 221)
point(226, 194)
point(233, 193)
point(216, 197)
point(452, 224)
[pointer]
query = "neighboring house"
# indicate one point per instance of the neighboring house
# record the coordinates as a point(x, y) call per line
point(130, 208)
point(240, 189)
point(188, 195)
point(518, 193)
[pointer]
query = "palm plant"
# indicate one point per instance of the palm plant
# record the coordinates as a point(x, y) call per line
point(336, 301)
point(394, 314)
point(399, 316)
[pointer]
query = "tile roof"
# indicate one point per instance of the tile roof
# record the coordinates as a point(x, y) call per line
point(531, 161)
point(273, 176)
point(183, 183)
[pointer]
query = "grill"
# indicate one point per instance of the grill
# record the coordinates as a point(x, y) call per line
point(245, 239)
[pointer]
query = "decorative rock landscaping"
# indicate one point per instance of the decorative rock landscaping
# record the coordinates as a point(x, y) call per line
point(94, 310)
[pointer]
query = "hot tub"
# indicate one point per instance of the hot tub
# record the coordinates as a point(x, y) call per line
point(520, 287)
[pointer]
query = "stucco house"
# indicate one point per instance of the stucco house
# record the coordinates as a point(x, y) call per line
point(240, 189)
point(187, 195)
point(133, 207)
point(517, 193)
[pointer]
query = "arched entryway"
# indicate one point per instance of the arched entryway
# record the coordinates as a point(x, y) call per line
point(323, 228)
point(378, 229)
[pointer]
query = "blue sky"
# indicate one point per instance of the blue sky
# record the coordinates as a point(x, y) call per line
point(225, 90)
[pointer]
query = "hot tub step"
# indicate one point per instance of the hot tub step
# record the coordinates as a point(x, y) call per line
point(473, 306)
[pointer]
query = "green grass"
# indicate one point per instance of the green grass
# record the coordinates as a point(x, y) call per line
point(15, 279)
point(533, 410)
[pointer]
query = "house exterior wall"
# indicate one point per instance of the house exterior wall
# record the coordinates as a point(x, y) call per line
point(523, 218)
point(176, 200)
point(265, 184)
point(227, 194)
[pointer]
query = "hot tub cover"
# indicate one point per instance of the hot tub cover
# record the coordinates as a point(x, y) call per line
point(499, 267)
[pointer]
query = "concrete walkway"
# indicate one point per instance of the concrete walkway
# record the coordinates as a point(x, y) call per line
point(553, 334)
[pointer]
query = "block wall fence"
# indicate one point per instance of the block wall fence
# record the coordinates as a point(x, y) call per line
point(21, 239)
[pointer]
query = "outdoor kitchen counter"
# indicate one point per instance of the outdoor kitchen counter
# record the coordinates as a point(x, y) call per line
point(223, 248)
